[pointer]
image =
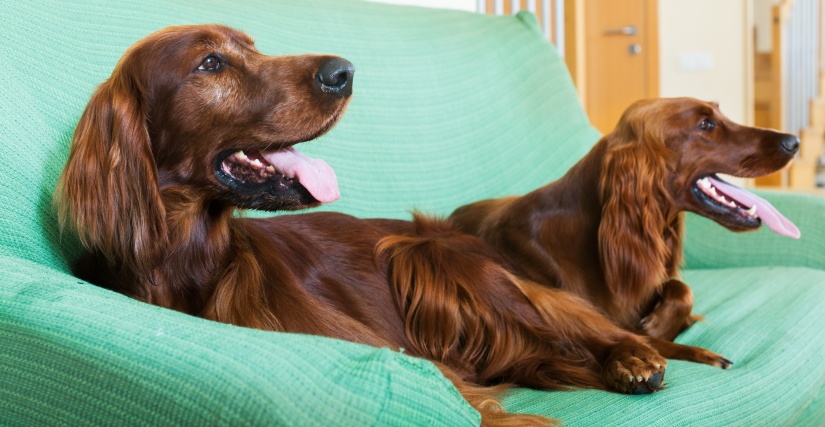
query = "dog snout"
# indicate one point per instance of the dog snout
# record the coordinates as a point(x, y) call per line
point(335, 76)
point(790, 144)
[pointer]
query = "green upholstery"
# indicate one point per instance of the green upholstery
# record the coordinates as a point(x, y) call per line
point(73, 354)
point(707, 247)
point(768, 320)
point(449, 107)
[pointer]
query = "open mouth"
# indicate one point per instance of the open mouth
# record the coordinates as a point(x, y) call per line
point(731, 204)
point(276, 171)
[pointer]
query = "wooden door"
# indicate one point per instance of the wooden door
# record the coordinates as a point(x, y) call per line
point(621, 57)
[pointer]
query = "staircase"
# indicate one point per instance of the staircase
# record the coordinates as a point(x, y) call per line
point(808, 170)
point(796, 103)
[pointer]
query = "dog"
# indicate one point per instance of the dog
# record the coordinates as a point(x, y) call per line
point(611, 229)
point(195, 123)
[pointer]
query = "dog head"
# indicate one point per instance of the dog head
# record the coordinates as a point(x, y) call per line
point(198, 109)
point(681, 144)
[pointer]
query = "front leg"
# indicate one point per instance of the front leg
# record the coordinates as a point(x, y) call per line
point(672, 350)
point(671, 314)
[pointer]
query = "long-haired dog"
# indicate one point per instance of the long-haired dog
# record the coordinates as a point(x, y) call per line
point(194, 122)
point(610, 230)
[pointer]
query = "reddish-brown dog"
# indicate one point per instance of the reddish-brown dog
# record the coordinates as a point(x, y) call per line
point(610, 230)
point(194, 123)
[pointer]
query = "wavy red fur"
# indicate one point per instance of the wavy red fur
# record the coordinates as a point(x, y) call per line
point(610, 230)
point(156, 216)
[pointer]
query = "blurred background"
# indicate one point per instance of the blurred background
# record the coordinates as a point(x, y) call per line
point(763, 61)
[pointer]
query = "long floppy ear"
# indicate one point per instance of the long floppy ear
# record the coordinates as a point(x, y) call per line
point(108, 192)
point(634, 203)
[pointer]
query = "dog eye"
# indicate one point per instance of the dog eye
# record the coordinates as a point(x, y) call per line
point(707, 124)
point(211, 63)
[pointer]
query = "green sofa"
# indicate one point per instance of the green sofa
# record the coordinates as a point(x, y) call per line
point(449, 107)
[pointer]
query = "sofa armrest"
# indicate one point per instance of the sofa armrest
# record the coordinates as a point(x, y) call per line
point(75, 354)
point(709, 245)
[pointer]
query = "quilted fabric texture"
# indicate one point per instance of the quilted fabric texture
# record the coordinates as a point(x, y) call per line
point(449, 107)
point(72, 354)
point(768, 320)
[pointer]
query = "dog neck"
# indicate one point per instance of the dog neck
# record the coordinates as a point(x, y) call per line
point(210, 268)
point(575, 194)
point(196, 249)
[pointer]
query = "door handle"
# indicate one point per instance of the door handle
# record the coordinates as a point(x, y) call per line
point(630, 30)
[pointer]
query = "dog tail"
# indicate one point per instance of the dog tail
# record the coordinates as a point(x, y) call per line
point(438, 277)
point(432, 275)
point(485, 400)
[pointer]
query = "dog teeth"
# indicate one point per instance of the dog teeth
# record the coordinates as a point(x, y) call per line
point(709, 189)
point(256, 164)
point(240, 155)
point(752, 211)
point(270, 169)
point(725, 201)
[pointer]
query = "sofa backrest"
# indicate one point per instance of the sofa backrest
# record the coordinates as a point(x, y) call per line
point(449, 107)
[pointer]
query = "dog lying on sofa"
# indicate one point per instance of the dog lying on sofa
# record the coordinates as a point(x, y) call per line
point(195, 122)
point(626, 198)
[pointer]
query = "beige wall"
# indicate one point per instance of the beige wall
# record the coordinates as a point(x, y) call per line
point(704, 53)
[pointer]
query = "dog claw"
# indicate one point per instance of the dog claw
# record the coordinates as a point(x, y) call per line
point(656, 379)
point(713, 359)
point(634, 370)
point(649, 386)
point(652, 384)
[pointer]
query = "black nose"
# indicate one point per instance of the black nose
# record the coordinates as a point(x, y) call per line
point(335, 77)
point(790, 144)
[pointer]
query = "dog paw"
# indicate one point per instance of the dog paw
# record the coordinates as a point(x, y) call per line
point(635, 369)
point(713, 359)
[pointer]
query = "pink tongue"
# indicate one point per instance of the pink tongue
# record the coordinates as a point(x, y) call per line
point(315, 175)
point(770, 216)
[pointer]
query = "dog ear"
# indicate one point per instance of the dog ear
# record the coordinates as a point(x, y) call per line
point(108, 192)
point(634, 201)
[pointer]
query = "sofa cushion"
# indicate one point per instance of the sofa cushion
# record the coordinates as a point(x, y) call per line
point(449, 107)
point(768, 320)
point(74, 354)
point(427, 112)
